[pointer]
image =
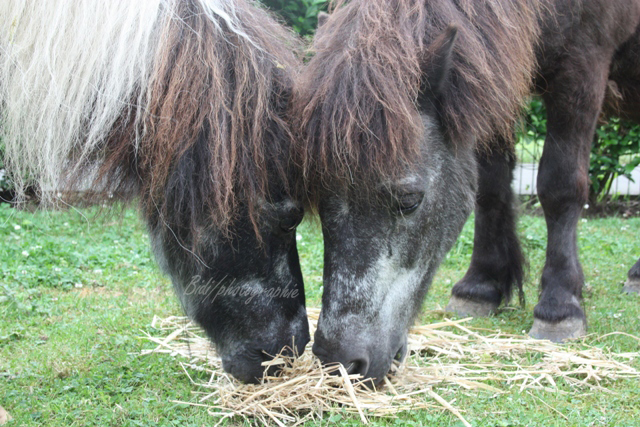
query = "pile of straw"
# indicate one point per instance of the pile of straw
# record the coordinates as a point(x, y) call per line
point(445, 353)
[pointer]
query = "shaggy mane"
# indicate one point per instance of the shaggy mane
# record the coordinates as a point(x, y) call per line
point(177, 102)
point(356, 99)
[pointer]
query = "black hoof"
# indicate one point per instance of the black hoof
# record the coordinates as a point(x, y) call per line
point(559, 331)
point(467, 308)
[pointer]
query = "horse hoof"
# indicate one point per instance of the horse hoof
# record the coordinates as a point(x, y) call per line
point(467, 308)
point(559, 331)
point(632, 286)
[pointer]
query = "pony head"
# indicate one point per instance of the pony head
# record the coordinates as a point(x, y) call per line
point(391, 108)
point(180, 105)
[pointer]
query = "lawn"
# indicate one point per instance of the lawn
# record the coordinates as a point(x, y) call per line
point(77, 290)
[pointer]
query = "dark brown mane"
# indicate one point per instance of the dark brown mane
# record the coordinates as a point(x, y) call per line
point(213, 135)
point(356, 99)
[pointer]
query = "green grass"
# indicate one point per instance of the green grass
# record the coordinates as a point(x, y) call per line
point(77, 289)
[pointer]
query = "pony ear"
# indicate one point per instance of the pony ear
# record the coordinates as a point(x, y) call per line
point(322, 18)
point(436, 65)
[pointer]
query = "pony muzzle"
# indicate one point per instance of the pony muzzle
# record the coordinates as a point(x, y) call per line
point(249, 364)
point(371, 361)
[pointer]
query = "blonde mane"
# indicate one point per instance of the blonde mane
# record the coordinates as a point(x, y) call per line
point(116, 93)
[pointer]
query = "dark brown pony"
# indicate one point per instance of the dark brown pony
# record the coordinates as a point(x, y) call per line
point(181, 105)
point(408, 110)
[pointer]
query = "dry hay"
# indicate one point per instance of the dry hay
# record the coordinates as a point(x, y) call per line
point(441, 354)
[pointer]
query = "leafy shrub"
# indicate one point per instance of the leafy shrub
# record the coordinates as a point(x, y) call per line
point(530, 135)
point(302, 15)
point(536, 118)
point(615, 151)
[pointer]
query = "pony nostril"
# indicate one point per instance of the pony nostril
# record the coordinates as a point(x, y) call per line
point(354, 360)
point(357, 367)
point(265, 356)
point(401, 353)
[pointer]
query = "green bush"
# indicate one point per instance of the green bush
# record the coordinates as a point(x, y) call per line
point(302, 15)
point(615, 151)
point(531, 134)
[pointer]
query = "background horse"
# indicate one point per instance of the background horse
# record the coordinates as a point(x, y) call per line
point(399, 100)
point(180, 104)
point(585, 48)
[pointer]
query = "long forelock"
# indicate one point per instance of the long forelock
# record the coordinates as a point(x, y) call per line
point(228, 90)
point(359, 119)
point(128, 94)
point(357, 102)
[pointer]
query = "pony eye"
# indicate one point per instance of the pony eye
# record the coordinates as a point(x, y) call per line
point(289, 224)
point(409, 203)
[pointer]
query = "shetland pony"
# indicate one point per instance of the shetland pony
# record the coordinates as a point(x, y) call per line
point(406, 121)
point(181, 105)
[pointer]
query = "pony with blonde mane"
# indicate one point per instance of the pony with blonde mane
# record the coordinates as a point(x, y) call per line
point(180, 105)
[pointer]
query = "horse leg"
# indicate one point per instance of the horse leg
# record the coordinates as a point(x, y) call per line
point(574, 100)
point(496, 263)
point(633, 281)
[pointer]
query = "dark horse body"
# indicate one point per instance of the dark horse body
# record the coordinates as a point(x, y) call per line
point(182, 105)
point(404, 102)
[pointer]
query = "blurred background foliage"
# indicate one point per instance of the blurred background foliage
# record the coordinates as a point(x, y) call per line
point(615, 149)
point(302, 15)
